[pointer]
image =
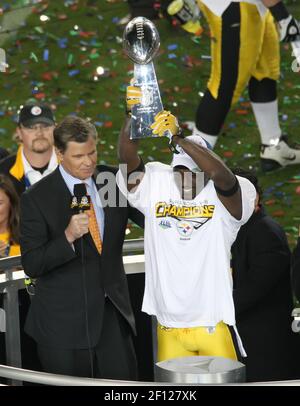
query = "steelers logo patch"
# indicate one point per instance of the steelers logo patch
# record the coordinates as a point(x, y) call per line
point(36, 111)
point(184, 228)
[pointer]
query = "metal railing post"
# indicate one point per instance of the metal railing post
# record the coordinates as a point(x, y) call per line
point(12, 333)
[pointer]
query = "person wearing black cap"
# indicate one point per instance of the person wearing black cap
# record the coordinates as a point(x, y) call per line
point(193, 210)
point(35, 157)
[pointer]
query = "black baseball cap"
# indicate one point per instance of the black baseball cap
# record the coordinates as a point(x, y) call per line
point(35, 113)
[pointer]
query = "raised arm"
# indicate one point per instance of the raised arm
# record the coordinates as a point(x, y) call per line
point(226, 184)
point(127, 148)
point(166, 124)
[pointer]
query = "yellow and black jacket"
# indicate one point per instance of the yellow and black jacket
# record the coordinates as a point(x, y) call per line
point(14, 168)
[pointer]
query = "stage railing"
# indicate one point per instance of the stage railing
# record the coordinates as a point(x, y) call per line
point(12, 279)
point(19, 375)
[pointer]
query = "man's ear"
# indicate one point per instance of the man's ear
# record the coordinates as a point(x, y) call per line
point(19, 134)
point(59, 154)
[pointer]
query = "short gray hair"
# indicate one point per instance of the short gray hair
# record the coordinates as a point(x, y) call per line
point(75, 129)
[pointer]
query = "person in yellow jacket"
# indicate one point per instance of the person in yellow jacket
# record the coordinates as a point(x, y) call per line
point(187, 13)
point(9, 218)
point(35, 156)
point(245, 53)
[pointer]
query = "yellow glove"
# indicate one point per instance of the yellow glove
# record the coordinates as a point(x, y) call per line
point(193, 27)
point(187, 13)
point(165, 124)
point(133, 96)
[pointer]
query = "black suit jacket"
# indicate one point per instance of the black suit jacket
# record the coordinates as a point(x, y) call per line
point(263, 300)
point(57, 316)
point(5, 166)
point(296, 270)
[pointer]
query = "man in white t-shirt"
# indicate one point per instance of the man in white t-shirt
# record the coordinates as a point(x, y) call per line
point(193, 210)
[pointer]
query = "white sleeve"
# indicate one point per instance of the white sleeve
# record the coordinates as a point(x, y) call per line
point(248, 199)
point(248, 194)
point(140, 198)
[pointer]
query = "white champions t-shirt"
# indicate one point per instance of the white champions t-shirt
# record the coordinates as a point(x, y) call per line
point(187, 249)
point(219, 6)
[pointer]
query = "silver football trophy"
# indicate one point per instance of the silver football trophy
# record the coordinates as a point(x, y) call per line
point(141, 43)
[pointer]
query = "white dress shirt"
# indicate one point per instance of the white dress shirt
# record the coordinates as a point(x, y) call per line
point(33, 175)
point(91, 191)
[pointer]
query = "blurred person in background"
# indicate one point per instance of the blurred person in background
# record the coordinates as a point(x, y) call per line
point(245, 53)
point(35, 157)
point(9, 235)
point(9, 218)
point(262, 295)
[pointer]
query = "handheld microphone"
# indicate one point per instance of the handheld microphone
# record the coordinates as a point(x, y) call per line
point(81, 201)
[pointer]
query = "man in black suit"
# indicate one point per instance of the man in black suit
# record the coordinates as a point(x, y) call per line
point(35, 158)
point(80, 316)
point(262, 296)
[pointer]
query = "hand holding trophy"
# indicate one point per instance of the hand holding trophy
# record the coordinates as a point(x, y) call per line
point(141, 43)
point(165, 123)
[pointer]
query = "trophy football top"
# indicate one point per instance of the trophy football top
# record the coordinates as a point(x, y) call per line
point(141, 40)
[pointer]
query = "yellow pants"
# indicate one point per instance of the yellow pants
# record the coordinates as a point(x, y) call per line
point(258, 56)
point(182, 342)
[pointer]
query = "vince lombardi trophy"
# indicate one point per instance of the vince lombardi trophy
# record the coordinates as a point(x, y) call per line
point(141, 43)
